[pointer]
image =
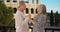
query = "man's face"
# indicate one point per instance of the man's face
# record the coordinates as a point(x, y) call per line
point(23, 7)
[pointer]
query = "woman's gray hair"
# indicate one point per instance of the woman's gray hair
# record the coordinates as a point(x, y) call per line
point(43, 8)
point(21, 3)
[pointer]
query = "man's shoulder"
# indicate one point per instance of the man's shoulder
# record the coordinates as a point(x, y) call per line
point(18, 13)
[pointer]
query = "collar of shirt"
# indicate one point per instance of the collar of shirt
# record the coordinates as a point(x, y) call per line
point(21, 13)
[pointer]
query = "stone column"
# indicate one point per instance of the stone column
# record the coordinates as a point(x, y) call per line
point(33, 1)
point(37, 1)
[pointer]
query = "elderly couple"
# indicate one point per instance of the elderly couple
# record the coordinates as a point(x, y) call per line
point(21, 21)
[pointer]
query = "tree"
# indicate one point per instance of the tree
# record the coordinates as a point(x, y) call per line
point(6, 16)
point(51, 18)
point(56, 18)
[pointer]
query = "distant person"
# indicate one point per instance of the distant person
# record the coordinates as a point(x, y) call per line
point(40, 19)
point(21, 21)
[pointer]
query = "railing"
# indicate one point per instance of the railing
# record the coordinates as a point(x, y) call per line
point(10, 28)
point(6, 28)
point(52, 28)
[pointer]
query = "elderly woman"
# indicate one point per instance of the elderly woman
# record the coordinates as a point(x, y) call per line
point(40, 19)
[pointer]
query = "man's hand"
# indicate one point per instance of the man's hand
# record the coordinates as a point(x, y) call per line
point(29, 16)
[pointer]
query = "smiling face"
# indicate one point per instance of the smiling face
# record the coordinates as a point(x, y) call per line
point(39, 9)
point(22, 6)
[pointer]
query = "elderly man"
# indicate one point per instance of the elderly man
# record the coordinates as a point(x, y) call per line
point(21, 21)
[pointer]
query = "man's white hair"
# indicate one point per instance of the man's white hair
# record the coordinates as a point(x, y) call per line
point(20, 3)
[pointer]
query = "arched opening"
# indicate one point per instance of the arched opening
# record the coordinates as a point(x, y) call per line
point(15, 9)
point(36, 11)
point(32, 10)
point(27, 11)
point(14, 0)
point(8, 0)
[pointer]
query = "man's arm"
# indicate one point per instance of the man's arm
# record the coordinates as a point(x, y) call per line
point(21, 20)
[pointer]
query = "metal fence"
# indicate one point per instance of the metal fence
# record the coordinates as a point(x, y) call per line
point(7, 29)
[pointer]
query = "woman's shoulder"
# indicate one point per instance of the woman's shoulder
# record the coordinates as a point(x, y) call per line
point(37, 16)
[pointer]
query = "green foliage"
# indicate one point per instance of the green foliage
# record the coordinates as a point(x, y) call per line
point(51, 18)
point(56, 18)
point(6, 14)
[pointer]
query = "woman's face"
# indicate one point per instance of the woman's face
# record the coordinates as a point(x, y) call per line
point(39, 9)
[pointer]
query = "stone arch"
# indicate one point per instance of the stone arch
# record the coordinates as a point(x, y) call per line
point(32, 10)
point(36, 11)
point(15, 9)
point(27, 10)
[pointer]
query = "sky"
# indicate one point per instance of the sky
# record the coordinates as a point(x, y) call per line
point(51, 5)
